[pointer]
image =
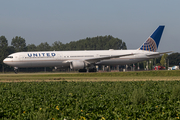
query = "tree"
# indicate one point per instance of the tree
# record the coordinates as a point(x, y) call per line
point(174, 59)
point(19, 44)
point(157, 61)
point(10, 50)
point(44, 47)
point(58, 46)
point(3, 42)
point(31, 47)
point(96, 43)
point(3, 50)
point(163, 60)
point(123, 46)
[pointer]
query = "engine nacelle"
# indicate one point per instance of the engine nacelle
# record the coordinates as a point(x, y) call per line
point(77, 64)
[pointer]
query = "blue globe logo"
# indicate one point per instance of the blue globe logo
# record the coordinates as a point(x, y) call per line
point(149, 45)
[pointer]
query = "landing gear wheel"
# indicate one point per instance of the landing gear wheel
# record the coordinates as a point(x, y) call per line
point(82, 70)
point(93, 70)
point(15, 70)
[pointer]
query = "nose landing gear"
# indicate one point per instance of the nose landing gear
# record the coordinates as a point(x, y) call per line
point(15, 70)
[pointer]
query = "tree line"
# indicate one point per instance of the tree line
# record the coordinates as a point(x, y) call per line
point(18, 44)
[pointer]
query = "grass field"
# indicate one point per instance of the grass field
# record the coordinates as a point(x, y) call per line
point(106, 76)
point(121, 95)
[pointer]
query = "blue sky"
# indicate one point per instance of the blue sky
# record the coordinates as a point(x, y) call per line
point(70, 20)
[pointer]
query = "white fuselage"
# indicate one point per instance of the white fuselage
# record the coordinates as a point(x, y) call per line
point(59, 58)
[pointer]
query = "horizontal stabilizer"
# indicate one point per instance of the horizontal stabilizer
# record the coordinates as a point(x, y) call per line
point(158, 53)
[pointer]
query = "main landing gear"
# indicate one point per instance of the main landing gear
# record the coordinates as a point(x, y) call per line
point(88, 70)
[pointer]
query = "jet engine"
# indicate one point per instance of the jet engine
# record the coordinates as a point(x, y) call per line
point(77, 64)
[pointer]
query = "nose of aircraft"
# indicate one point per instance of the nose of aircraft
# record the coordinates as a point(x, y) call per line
point(5, 61)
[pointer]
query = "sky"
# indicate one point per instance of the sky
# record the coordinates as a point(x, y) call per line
point(133, 21)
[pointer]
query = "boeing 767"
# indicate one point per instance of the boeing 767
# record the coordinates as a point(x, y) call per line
point(87, 59)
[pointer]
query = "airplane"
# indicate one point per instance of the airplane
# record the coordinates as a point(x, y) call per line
point(87, 59)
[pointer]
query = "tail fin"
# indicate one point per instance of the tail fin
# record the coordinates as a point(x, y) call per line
point(152, 43)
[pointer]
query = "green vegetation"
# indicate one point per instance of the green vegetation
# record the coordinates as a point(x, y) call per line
point(174, 59)
point(104, 76)
point(90, 100)
point(60, 96)
point(163, 59)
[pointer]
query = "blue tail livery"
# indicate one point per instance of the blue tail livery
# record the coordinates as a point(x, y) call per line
point(152, 43)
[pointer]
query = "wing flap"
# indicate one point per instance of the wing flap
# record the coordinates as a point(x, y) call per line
point(97, 59)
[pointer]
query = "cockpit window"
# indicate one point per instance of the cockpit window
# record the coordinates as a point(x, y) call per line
point(10, 57)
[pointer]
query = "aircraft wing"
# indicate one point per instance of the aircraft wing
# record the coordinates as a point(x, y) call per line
point(97, 59)
point(158, 53)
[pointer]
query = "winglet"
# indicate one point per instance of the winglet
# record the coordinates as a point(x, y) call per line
point(152, 43)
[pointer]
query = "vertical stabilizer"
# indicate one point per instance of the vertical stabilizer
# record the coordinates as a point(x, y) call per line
point(152, 43)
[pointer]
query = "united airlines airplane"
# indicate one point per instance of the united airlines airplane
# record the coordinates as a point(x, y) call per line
point(87, 59)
